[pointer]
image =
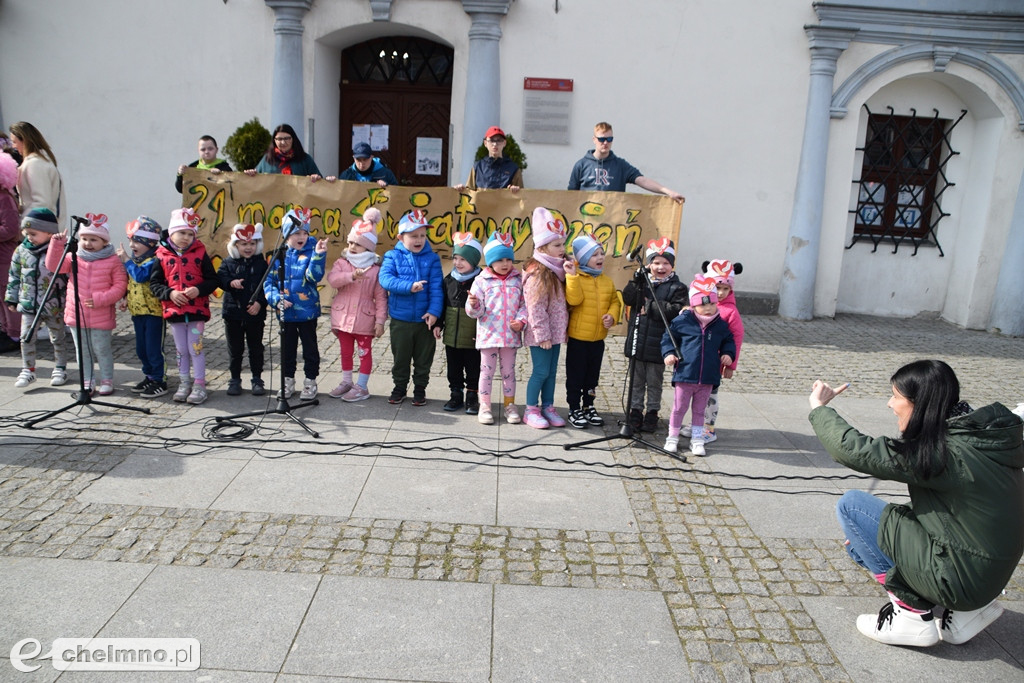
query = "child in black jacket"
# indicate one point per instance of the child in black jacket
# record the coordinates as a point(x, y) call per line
point(646, 333)
point(241, 276)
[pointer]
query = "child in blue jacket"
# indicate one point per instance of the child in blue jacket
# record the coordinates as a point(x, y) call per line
point(705, 344)
point(411, 274)
point(291, 289)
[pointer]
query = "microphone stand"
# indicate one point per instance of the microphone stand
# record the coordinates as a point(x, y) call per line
point(283, 407)
point(83, 397)
point(626, 430)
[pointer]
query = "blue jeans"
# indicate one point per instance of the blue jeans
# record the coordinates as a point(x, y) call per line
point(859, 514)
point(540, 388)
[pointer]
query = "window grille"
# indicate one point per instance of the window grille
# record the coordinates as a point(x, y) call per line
point(903, 178)
point(398, 60)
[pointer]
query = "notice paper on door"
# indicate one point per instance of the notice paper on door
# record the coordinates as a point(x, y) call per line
point(428, 156)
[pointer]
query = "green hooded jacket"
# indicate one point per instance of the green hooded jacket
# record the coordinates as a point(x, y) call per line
point(959, 540)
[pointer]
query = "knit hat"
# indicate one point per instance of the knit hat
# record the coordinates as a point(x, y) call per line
point(583, 247)
point(245, 232)
point(97, 226)
point(42, 220)
point(8, 171)
point(703, 291)
point(373, 215)
point(722, 271)
point(499, 246)
point(413, 220)
point(660, 247)
point(363, 233)
point(467, 246)
point(546, 228)
point(145, 231)
point(184, 219)
point(295, 220)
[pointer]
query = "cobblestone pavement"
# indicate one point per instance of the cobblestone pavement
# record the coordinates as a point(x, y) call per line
point(734, 597)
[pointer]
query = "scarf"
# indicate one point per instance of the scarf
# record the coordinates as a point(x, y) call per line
point(460, 277)
point(203, 166)
point(105, 252)
point(591, 271)
point(557, 266)
point(363, 259)
point(284, 160)
point(704, 320)
point(139, 260)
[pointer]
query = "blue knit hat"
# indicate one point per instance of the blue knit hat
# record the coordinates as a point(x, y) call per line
point(499, 246)
point(294, 220)
point(583, 247)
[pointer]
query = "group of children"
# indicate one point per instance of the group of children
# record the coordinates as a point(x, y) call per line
point(481, 315)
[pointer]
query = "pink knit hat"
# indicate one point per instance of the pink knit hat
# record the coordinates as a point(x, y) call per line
point(546, 228)
point(8, 171)
point(184, 219)
point(721, 270)
point(363, 233)
point(97, 227)
point(703, 290)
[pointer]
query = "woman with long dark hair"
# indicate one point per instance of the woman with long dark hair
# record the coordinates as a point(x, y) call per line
point(955, 545)
point(39, 183)
point(286, 156)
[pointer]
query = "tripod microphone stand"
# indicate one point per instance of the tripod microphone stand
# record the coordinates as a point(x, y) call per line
point(83, 397)
point(283, 407)
point(627, 431)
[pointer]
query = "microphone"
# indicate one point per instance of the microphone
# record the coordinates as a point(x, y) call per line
point(79, 220)
point(633, 255)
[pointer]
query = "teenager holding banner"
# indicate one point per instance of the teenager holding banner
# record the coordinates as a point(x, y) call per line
point(600, 169)
point(207, 161)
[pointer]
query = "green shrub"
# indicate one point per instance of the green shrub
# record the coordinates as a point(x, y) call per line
point(512, 150)
point(247, 145)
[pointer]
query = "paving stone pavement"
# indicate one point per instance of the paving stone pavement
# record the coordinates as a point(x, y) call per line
point(744, 593)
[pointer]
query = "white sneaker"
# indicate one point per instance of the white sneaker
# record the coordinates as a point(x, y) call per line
point(959, 627)
point(197, 395)
point(672, 444)
point(184, 389)
point(512, 415)
point(308, 390)
point(896, 626)
point(697, 447)
point(25, 378)
point(288, 389)
point(58, 377)
point(484, 416)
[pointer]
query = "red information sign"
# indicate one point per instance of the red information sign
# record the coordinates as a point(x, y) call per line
point(555, 84)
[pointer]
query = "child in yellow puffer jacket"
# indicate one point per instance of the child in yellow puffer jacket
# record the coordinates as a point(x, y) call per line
point(594, 308)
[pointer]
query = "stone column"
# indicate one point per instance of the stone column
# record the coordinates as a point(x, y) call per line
point(483, 78)
point(796, 291)
point(1008, 305)
point(286, 101)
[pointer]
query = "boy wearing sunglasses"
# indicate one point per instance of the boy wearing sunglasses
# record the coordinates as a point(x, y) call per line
point(600, 169)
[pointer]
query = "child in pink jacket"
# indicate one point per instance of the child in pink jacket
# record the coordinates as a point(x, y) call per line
point(360, 306)
point(496, 302)
point(724, 273)
point(102, 282)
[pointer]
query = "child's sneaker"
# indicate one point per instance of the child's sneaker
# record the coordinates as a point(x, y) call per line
point(578, 419)
point(308, 390)
point(184, 389)
point(106, 387)
point(636, 419)
point(672, 444)
point(592, 417)
point(288, 389)
point(138, 388)
point(356, 393)
point(484, 416)
point(234, 387)
point(197, 395)
point(419, 396)
point(551, 415)
point(155, 389)
point(697, 440)
point(454, 403)
point(709, 435)
point(397, 396)
point(534, 418)
point(25, 378)
point(897, 626)
point(58, 377)
point(258, 388)
point(340, 390)
point(472, 403)
point(512, 415)
point(959, 627)
point(650, 421)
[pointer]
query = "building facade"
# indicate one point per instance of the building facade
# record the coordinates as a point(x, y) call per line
point(863, 156)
